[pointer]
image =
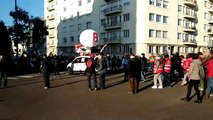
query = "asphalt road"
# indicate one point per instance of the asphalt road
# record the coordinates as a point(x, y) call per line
point(70, 99)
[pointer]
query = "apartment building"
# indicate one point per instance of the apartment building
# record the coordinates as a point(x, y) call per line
point(133, 26)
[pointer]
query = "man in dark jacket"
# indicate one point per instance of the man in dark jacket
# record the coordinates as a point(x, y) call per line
point(101, 70)
point(134, 74)
point(90, 70)
point(143, 67)
point(46, 68)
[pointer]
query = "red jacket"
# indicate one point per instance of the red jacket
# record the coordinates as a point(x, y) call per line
point(186, 64)
point(210, 68)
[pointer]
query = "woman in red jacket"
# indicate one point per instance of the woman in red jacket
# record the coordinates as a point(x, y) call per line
point(209, 76)
point(186, 66)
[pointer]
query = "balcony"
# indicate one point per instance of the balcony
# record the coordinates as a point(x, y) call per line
point(50, 1)
point(51, 26)
point(210, 32)
point(114, 39)
point(113, 10)
point(116, 25)
point(190, 3)
point(210, 21)
point(190, 29)
point(190, 16)
point(50, 7)
point(51, 35)
point(210, 10)
point(50, 17)
point(191, 42)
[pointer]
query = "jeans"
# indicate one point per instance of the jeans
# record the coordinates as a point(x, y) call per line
point(167, 79)
point(101, 78)
point(209, 85)
point(143, 75)
point(91, 77)
point(157, 77)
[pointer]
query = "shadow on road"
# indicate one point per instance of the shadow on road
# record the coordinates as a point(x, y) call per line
point(68, 83)
point(115, 83)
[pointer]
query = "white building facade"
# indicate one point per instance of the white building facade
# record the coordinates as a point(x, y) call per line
point(131, 26)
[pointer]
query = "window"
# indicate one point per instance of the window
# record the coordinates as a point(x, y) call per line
point(151, 2)
point(79, 26)
point(103, 21)
point(165, 34)
point(158, 3)
point(89, 24)
point(179, 22)
point(165, 19)
point(65, 9)
point(150, 49)
point(165, 4)
point(126, 33)
point(158, 18)
point(179, 36)
point(88, 1)
point(179, 8)
point(158, 34)
point(64, 40)
point(71, 39)
point(151, 33)
point(157, 49)
point(151, 16)
point(79, 3)
point(126, 17)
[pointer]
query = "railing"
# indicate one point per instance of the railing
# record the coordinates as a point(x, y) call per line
point(114, 39)
point(113, 25)
point(114, 9)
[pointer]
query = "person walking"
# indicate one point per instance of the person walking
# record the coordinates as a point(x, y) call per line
point(194, 76)
point(90, 71)
point(46, 68)
point(167, 70)
point(143, 67)
point(125, 62)
point(56, 66)
point(101, 70)
point(186, 66)
point(158, 70)
point(209, 76)
point(133, 74)
point(3, 71)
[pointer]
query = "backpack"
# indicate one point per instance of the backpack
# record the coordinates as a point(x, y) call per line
point(201, 72)
point(89, 63)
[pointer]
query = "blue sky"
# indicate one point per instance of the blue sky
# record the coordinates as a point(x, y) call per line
point(35, 8)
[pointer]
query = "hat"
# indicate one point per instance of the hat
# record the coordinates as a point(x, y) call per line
point(92, 55)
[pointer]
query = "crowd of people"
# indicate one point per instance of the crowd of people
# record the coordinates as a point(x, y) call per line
point(194, 70)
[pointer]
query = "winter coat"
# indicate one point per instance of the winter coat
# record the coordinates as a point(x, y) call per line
point(194, 69)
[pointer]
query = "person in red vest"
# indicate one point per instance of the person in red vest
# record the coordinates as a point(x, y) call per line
point(186, 66)
point(158, 70)
point(167, 70)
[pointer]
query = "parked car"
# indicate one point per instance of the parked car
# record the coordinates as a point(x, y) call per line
point(78, 64)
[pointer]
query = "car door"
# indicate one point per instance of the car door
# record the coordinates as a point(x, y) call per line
point(79, 64)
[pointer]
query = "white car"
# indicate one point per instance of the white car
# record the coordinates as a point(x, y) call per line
point(78, 64)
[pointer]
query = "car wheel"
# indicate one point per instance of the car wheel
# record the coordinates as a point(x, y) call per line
point(70, 71)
